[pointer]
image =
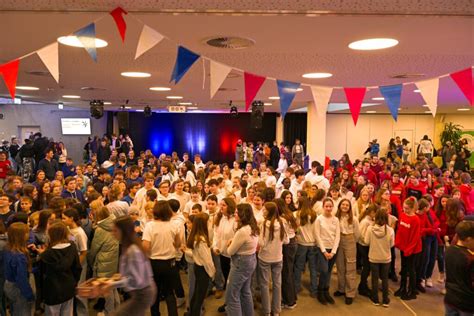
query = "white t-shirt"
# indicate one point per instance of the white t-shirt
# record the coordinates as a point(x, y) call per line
point(80, 238)
point(161, 236)
point(182, 199)
point(236, 173)
point(271, 181)
point(189, 206)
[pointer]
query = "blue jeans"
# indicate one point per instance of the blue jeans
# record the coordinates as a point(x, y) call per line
point(219, 277)
point(265, 270)
point(18, 304)
point(430, 249)
point(65, 308)
point(238, 296)
point(303, 254)
point(453, 311)
point(191, 280)
point(325, 269)
point(440, 257)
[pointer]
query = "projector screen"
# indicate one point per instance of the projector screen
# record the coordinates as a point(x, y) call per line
point(76, 126)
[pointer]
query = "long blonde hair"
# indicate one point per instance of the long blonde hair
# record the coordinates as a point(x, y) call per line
point(18, 234)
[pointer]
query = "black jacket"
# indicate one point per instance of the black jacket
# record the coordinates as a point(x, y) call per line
point(49, 167)
point(60, 270)
point(39, 147)
point(103, 154)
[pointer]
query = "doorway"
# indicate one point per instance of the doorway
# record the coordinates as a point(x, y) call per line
point(25, 132)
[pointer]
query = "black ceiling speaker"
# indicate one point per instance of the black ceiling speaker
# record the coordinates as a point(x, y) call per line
point(256, 117)
point(147, 111)
point(97, 108)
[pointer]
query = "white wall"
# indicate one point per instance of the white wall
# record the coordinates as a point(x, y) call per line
point(48, 118)
point(343, 137)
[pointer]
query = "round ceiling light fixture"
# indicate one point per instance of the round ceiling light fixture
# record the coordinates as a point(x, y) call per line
point(73, 41)
point(27, 88)
point(160, 89)
point(371, 112)
point(135, 74)
point(69, 96)
point(317, 75)
point(373, 44)
point(464, 109)
point(274, 98)
point(174, 97)
point(378, 98)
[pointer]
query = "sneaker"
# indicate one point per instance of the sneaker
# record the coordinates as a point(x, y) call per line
point(441, 278)
point(339, 293)
point(385, 303)
point(180, 301)
point(289, 306)
point(420, 288)
point(218, 294)
point(429, 282)
point(408, 296)
point(348, 300)
point(375, 302)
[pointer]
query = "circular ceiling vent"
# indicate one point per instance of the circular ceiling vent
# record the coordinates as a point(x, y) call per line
point(38, 73)
point(229, 42)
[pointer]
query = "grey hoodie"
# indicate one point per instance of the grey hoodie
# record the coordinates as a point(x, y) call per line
point(380, 239)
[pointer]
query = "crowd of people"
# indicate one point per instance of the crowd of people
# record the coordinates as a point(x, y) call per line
point(242, 233)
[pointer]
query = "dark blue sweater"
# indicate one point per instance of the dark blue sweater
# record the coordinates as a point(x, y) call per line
point(16, 271)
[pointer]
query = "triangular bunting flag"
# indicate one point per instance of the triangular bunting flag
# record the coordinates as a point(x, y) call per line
point(148, 38)
point(321, 97)
point(218, 74)
point(86, 36)
point(429, 92)
point(465, 82)
point(355, 96)
point(392, 96)
point(50, 58)
point(287, 92)
point(252, 84)
point(184, 60)
point(117, 14)
point(9, 71)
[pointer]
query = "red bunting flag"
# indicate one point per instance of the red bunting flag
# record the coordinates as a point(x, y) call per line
point(252, 83)
point(465, 82)
point(117, 14)
point(355, 96)
point(9, 71)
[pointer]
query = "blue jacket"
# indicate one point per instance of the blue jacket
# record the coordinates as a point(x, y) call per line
point(16, 271)
point(75, 195)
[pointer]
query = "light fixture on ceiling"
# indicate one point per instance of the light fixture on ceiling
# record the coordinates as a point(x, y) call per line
point(371, 112)
point(135, 74)
point(27, 88)
point(378, 98)
point(373, 44)
point(185, 103)
point(127, 107)
point(399, 109)
point(192, 108)
point(425, 106)
point(73, 41)
point(464, 109)
point(317, 75)
point(160, 89)
point(267, 104)
point(417, 91)
point(174, 97)
point(69, 96)
point(274, 98)
point(428, 112)
point(107, 103)
point(299, 89)
point(60, 106)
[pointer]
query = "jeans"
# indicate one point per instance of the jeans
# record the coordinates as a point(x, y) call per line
point(288, 289)
point(380, 270)
point(191, 280)
point(164, 277)
point(430, 248)
point(364, 275)
point(238, 296)
point(440, 257)
point(303, 254)
point(325, 269)
point(265, 270)
point(219, 277)
point(112, 301)
point(138, 303)
point(19, 306)
point(82, 306)
point(200, 290)
point(453, 311)
point(63, 309)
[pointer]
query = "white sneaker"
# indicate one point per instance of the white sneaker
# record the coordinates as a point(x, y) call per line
point(180, 301)
point(429, 282)
point(441, 278)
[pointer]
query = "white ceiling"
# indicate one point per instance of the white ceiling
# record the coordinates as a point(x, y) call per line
point(436, 37)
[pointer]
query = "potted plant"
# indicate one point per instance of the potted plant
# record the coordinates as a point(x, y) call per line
point(452, 133)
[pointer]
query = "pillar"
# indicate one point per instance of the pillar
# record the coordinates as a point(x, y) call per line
point(438, 129)
point(316, 133)
point(279, 129)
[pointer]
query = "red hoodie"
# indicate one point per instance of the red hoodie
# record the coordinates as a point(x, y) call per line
point(428, 228)
point(417, 191)
point(408, 237)
point(467, 195)
point(397, 196)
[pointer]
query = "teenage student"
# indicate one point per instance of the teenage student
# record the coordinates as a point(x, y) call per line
point(366, 218)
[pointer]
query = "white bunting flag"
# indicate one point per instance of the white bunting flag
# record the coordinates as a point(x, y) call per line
point(218, 74)
point(429, 92)
point(50, 57)
point(321, 97)
point(148, 38)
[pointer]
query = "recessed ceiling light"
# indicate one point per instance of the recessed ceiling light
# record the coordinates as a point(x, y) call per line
point(267, 103)
point(399, 109)
point(274, 98)
point(139, 110)
point(371, 112)
point(299, 89)
point(427, 111)
point(75, 42)
point(464, 109)
point(317, 75)
point(378, 98)
point(127, 107)
point(185, 103)
point(174, 97)
point(373, 44)
point(136, 74)
point(27, 88)
point(107, 103)
point(68, 96)
point(425, 106)
point(192, 108)
point(417, 91)
point(160, 89)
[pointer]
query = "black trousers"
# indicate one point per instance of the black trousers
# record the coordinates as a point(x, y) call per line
point(164, 276)
point(408, 273)
point(364, 275)
point(379, 270)
point(225, 267)
point(288, 290)
point(200, 290)
point(178, 287)
point(392, 262)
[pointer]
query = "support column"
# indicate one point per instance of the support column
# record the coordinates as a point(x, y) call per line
point(438, 128)
point(316, 133)
point(279, 130)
